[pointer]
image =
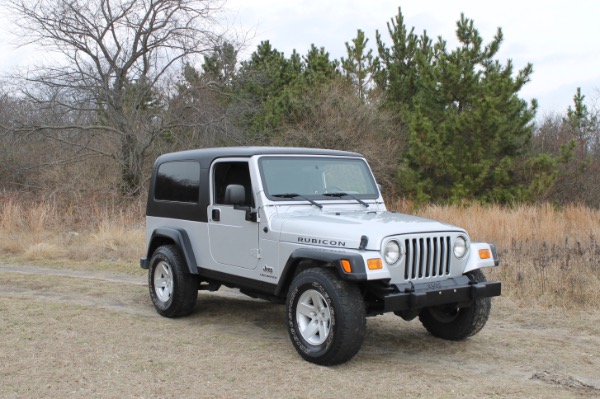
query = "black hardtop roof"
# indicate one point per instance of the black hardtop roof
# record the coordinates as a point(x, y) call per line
point(207, 155)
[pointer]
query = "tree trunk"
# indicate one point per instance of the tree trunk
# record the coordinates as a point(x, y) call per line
point(131, 166)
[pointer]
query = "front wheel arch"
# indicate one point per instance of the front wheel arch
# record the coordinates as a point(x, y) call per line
point(303, 258)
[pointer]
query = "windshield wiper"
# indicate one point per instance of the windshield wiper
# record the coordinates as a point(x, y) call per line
point(294, 195)
point(340, 195)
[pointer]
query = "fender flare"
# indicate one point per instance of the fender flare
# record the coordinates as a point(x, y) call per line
point(180, 239)
point(321, 255)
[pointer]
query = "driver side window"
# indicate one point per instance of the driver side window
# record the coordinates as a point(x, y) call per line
point(232, 173)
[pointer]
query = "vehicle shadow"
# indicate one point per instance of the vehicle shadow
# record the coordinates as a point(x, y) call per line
point(237, 314)
point(387, 335)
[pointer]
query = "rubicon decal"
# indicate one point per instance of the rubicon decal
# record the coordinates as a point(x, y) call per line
point(319, 241)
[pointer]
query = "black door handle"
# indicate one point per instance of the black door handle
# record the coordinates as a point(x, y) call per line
point(216, 215)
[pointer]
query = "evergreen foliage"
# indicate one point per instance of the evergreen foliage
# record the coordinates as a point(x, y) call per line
point(468, 131)
point(359, 66)
point(573, 140)
point(220, 66)
point(272, 86)
point(260, 86)
point(437, 123)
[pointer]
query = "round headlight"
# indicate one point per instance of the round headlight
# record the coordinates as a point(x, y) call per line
point(460, 247)
point(392, 252)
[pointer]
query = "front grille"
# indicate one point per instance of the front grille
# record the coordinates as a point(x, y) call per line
point(426, 257)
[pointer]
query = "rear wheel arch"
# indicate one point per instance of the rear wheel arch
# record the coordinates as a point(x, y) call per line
point(177, 237)
point(173, 291)
point(157, 242)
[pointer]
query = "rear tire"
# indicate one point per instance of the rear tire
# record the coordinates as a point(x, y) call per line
point(455, 323)
point(326, 317)
point(172, 289)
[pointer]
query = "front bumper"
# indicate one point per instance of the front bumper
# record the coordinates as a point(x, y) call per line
point(403, 297)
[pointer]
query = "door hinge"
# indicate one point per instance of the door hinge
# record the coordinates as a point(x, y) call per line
point(256, 253)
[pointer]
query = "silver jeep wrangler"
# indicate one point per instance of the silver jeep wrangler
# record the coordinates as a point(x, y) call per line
point(308, 228)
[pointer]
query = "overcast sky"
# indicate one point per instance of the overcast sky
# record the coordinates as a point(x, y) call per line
point(561, 39)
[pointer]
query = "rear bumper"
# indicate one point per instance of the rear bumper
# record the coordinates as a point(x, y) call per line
point(423, 295)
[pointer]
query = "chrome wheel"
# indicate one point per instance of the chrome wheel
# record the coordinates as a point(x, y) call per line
point(313, 317)
point(163, 281)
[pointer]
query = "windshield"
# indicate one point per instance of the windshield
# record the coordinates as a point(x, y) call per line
point(316, 177)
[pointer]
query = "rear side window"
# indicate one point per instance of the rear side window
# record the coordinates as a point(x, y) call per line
point(178, 181)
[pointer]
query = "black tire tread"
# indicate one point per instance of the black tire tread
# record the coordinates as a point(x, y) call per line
point(350, 327)
point(185, 291)
point(469, 321)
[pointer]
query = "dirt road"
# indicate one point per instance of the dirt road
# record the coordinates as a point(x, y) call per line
point(73, 334)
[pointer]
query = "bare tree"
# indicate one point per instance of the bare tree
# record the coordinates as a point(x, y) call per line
point(110, 81)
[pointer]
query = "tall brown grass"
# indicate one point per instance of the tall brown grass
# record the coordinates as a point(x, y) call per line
point(92, 231)
point(549, 256)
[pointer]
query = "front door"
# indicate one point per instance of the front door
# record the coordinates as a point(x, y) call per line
point(233, 239)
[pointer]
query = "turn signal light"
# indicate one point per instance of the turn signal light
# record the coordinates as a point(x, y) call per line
point(346, 265)
point(485, 254)
point(374, 264)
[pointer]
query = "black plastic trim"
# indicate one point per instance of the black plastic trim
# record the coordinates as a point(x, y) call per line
point(144, 263)
point(251, 285)
point(495, 255)
point(181, 239)
point(333, 257)
point(454, 290)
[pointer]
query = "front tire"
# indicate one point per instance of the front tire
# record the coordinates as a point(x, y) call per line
point(173, 291)
point(457, 323)
point(326, 317)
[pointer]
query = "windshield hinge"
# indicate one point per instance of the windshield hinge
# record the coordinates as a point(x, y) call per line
point(364, 240)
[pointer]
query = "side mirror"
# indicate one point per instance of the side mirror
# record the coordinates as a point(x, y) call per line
point(235, 194)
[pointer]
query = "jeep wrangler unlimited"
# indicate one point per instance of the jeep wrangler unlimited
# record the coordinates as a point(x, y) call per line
point(308, 228)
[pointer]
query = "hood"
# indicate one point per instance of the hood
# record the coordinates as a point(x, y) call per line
point(345, 229)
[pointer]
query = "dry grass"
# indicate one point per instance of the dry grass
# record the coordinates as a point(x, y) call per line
point(549, 256)
point(95, 231)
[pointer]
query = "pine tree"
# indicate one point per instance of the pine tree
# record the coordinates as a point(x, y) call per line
point(468, 129)
point(258, 86)
point(273, 87)
point(358, 67)
point(318, 68)
point(220, 66)
point(583, 124)
point(396, 71)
